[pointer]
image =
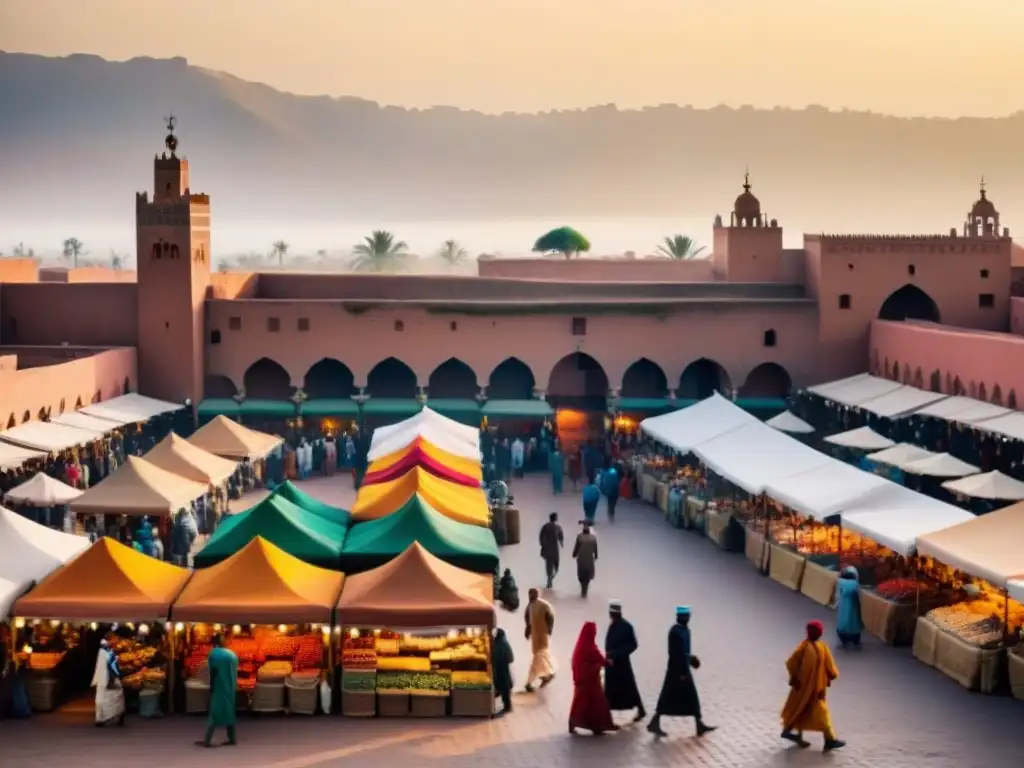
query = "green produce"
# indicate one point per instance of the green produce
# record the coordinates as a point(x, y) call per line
point(359, 680)
point(471, 686)
point(402, 681)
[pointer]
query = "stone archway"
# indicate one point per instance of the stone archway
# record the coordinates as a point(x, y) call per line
point(909, 303)
point(578, 376)
point(512, 379)
point(702, 378)
point(768, 380)
point(644, 378)
point(329, 379)
point(453, 380)
point(267, 380)
point(218, 387)
point(391, 378)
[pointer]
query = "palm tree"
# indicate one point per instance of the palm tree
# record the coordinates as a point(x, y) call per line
point(680, 247)
point(280, 249)
point(116, 260)
point(452, 253)
point(379, 252)
point(73, 248)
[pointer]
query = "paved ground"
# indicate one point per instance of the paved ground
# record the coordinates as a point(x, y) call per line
point(894, 712)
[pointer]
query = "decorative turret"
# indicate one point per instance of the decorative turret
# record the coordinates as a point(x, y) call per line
point(983, 220)
point(746, 211)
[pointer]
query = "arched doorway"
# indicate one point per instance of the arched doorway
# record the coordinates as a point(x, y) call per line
point(218, 387)
point(578, 377)
point(329, 379)
point(767, 381)
point(909, 303)
point(702, 378)
point(511, 380)
point(644, 378)
point(452, 380)
point(391, 378)
point(267, 380)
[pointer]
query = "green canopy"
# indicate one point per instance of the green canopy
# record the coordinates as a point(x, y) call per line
point(464, 411)
point(279, 409)
point(392, 406)
point(538, 409)
point(300, 498)
point(330, 407)
point(218, 406)
point(376, 542)
point(298, 532)
point(646, 405)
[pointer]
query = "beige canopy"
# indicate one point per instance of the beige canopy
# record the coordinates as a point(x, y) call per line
point(229, 439)
point(43, 491)
point(987, 547)
point(178, 455)
point(139, 488)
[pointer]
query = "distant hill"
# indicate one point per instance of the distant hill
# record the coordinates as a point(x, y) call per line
point(77, 135)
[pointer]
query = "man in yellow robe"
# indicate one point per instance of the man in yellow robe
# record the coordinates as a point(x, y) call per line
point(811, 671)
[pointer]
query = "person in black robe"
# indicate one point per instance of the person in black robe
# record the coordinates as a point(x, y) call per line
point(679, 691)
point(619, 681)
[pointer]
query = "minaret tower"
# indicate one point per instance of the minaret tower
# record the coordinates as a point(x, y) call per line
point(983, 220)
point(749, 249)
point(173, 256)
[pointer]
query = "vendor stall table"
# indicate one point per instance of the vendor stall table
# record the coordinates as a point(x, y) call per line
point(756, 550)
point(786, 566)
point(819, 583)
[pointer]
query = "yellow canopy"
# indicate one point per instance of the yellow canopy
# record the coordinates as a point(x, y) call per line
point(139, 488)
point(260, 584)
point(178, 455)
point(107, 582)
point(459, 502)
point(229, 439)
point(459, 464)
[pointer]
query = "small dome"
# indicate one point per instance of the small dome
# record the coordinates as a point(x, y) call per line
point(983, 208)
point(747, 205)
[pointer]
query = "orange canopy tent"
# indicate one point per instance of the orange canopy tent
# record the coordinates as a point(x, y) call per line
point(178, 455)
point(259, 584)
point(139, 488)
point(107, 582)
point(417, 589)
point(422, 453)
point(229, 439)
point(459, 502)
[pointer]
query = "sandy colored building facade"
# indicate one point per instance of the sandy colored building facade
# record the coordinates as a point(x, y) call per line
point(755, 319)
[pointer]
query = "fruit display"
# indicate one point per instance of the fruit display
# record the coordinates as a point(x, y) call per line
point(360, 643)
point(897, 589)
point(43, 662)
point(131, 661)
point(387, 646)
point(274, 671)
point(269, 656)
point(310, 652)
point(358, 658)
point(359, 680)
point(403, 663)
point(809, 537)
point(280, 647)
point(471, 681)
point(978, 621)
point(423, 644)
point(245, 648)
point(473, 651)
point(413, 681)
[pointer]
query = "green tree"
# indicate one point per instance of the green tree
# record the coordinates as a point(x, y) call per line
point(73, 248)
point(452, 253)
point(680, 247)
point(379, 252)
point(116, 260)
point(564, 240)
point(280, 250)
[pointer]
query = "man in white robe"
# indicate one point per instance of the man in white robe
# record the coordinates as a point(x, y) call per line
point(109, 693)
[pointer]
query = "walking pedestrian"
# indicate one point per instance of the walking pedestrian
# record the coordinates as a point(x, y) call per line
point(619, 681)
point(518, 457)
point(585, 552)
point(551, 542)
point(591, 498)
point(679, 696)
point(589, 706)
point(610, 481)
point(540, 624)
point(556, 466)
point(811, 671)
point(501, 670)
point(849, 623)
point(223, 665)
point(106, 679)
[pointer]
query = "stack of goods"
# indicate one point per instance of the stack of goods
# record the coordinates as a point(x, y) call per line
point(269, 656)
point(419, 683)
point(978, 622)
point(42, 662)
point(471, 681)
point(274, 671)
point(309, 655)
point(359, 653)
point(134, 660)
point(359, 680)
point(249, 660)
point(809, 537)
point(897, 590)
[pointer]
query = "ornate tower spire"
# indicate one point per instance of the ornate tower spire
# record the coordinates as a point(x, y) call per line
point(171, 141)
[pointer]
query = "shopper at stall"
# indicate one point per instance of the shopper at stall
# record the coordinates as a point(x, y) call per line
point(501, 670)
point(540, 623)
point(849, 624)
point(518, 457)
point(552, 539)
point(591, 498)
point(610, 483)
point(223, 665)
point(679, 696)
point(106, 679)
point(811, 671)
point(556, 466)
point(585, 552)
point(619, 681)
point(589, 709)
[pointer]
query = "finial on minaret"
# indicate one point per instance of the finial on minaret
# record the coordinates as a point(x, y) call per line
point(983, 186)
point(746, 179)
point(171, 142)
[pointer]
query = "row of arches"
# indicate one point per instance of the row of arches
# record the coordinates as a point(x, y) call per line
point(948, 384)
point(576, 375)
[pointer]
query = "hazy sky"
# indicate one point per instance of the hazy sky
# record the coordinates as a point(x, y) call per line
point(906, 57)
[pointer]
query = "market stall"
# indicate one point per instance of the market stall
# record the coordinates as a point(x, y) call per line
point(177, 455)
point(994, 486)
point(14, 456)
point(968, 639)
point(899, 455)
point(300, 533)
point(436, 461)
point(139, 488)
point(789, 422)
point(1015, 588)
point(278, 609)
point(49, 437)
point(939, 465)
point(861, 439)
point(230, 440)
point(426, 415)
point(313, 505)
point(416, 639)
point(439, 436)
point(107, 588)
point(374, 543)
point(682, 430)
point(42, 491)
point(130, 408)
point(459, 502)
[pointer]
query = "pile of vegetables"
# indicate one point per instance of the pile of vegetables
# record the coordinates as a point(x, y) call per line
point(897, 589)
point(357, 680)
point(471, 681)
point(406, 681)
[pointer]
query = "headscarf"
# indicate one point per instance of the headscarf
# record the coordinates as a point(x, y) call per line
point(815, 629)
point(586, 654)
point(851, 572)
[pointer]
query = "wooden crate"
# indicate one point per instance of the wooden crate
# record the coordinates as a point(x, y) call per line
point(786, 566)
point(472, 703)
point(393, 704)
point(428, 704)
point(358, 703)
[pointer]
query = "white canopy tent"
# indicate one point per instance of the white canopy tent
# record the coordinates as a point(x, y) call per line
point(429, 416)
point(790, 422)
point(827, 490)
point(897, 518)
point(84, 421)
point(899, 454)
point(9, 594)
point(987, 546)
point(901, 402)
point(130, 408)
point(12, 456)
point(701, 422)
point(826, 389)
point(432, 433)
point(49, 437)
point(862, 438)
point(1011, 425)
point(41, 490)
point(940, 465)
point(857, 390)
point(994, 486)
point(963, 409)
point(755, 454)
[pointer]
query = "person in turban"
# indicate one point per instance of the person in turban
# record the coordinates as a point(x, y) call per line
point(811, 671)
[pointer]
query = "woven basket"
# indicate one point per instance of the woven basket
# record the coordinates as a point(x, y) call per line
point(268, 697)
point(42, 693)
point(393, 704)
point(197, 697)
point(472, 703)
point(302, 697)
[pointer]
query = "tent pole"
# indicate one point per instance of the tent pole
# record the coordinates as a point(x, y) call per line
point(171, 671)
point(917, 591)
point(1006, 610)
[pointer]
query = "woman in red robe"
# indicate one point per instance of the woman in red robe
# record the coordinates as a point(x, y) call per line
point(590, 709)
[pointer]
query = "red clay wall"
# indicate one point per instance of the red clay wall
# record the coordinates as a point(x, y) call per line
point(84, 314)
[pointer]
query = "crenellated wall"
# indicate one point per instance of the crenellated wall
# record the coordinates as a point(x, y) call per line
point(618, 269)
